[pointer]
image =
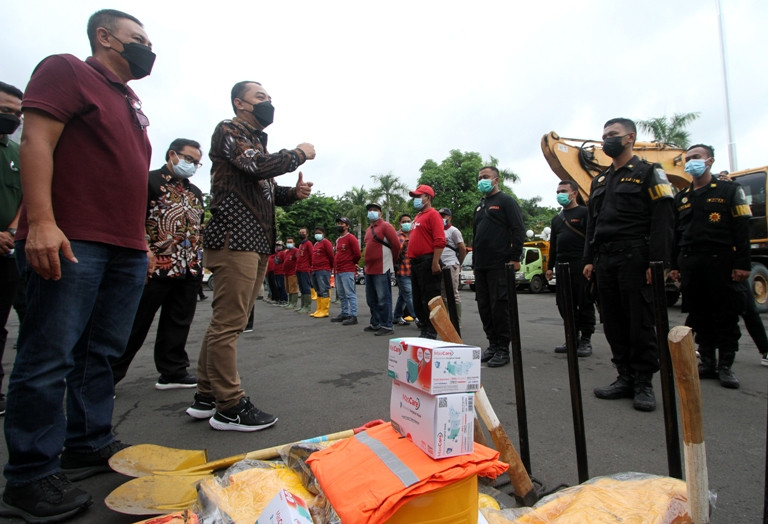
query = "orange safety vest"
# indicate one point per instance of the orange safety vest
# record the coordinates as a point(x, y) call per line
point(369, 476)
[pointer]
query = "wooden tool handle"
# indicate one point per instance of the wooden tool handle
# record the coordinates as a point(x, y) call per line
point(683, 353)
point(518, 475)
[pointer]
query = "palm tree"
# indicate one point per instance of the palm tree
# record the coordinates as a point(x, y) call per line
point(670, 130)
point(353, 204)
point(504, 174)
point(390, 190)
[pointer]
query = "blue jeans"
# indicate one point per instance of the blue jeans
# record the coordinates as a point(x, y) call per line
point(378, 295)
point(73, 327)
point(305, 281)
point(321, 281)
point(404, 305)
point(345, 288)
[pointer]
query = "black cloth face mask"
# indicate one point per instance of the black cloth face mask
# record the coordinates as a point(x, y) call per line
point(9, 123)
point(139, 57)
point(612, 146)
point(264, 113)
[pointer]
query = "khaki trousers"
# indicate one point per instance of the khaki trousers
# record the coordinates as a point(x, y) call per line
point(237, 277)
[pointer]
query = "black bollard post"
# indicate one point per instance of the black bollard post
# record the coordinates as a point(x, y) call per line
point(666, 373)
point(565, 298)
point(451, 302)
point(517, 365)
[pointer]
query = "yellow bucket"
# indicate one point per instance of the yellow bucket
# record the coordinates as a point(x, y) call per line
point(452, 504)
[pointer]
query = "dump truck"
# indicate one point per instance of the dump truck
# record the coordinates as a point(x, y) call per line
point(533, 266)
point(581, 160)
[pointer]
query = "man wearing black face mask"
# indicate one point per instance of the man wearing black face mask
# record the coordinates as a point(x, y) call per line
point(238, 241)
point(630, 223)
point(81, 245)
point(10, 205)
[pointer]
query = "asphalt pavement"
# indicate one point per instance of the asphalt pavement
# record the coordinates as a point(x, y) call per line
point(320, 377)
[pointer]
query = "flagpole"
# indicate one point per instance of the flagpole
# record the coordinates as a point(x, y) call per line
point(731, 145)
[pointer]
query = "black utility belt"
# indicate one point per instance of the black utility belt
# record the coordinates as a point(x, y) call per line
point(423, 258)
point(618, 246)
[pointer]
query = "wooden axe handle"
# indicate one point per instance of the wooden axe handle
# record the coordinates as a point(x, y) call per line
point(683, 352)
point(518, 475)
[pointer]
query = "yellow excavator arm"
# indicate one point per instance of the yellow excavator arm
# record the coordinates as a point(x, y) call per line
point(581, 160)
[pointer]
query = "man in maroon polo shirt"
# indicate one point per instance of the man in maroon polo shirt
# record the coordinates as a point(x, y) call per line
point(81, 244)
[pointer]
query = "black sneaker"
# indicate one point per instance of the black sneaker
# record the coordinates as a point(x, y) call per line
point(585, 348)
point(501, 358)
point(190, 381)
point(371, 329)
point(50, 499)
point(339, 318)
point(243, 417)
point(561, 349)
point(349, 321)
point(402, 322)
point(79, 466)
point(727, 378)
point(202, 408)
point(488, 354)
point(385, 332)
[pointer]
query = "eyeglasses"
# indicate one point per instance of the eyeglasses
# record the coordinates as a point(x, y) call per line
point(189, 159)
point(135, 104)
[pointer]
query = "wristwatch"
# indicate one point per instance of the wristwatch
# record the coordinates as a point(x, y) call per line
point(12, 231)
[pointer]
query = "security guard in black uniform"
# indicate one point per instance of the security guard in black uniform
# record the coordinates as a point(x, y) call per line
point(566, 245)
point(711, 260)
point(630, 223)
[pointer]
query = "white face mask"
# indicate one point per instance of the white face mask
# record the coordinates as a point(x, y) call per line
point(184, 169)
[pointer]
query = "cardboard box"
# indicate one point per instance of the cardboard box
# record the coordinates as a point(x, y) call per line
point(434, 366)
point(440, 425)
point(285, 508)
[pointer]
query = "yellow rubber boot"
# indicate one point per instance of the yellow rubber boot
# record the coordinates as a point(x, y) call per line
point(323, 305)
point(313, 294)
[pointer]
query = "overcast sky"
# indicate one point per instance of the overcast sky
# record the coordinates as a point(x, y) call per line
point(384, 86)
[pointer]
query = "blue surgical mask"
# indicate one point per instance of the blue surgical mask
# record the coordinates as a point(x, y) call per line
point(289, 245)
point(373, 215)
point(417, 203)
point(696, 167)
point(405, 226)
point(445, 221)
point(563, 199)
point(318, 236)
point(485, 186)
point(184, 169)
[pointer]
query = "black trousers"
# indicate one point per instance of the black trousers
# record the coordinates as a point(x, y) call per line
point(626, 305)
point(712, 299)
point(752, 320)
point(177, 299)
point(492, 296)
point(426, 286)
point(584, 309)
point(10, 288)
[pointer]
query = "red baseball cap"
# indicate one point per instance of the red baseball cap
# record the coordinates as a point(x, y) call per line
point(423, 189)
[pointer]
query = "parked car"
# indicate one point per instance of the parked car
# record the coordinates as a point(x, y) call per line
point(360, 278)
point(467, 274)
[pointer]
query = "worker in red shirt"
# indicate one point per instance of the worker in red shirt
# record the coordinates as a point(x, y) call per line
point(425, 246)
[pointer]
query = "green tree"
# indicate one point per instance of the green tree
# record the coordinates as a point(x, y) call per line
point(317, 210)
point(670, 130)
point(352, 205)
point(455, 183)
point(389, 192)
point(536, 217)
